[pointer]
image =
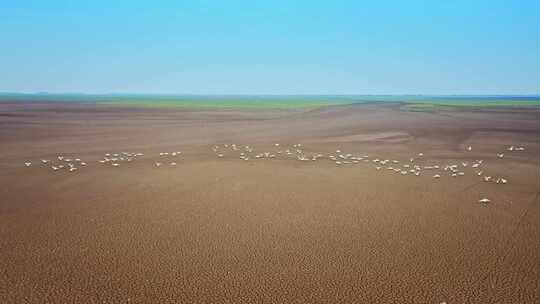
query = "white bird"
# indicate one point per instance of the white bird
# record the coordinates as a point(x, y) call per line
point(500, 155)
point(173, 164)
point(115, 164)
point(469, 148)
point(28, 164)
point(436, 176)
point(501, 181)
point(484, 201)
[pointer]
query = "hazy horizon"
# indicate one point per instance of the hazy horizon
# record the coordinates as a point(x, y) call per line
point(165, 94)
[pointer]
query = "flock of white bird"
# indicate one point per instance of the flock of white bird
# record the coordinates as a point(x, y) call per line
point(296, 152)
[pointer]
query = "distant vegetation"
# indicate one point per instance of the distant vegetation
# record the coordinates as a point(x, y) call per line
point(274, 101)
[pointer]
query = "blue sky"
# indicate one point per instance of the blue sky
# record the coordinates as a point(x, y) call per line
point(271, 47)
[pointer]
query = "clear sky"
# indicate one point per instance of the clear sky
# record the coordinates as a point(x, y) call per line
point(271, 47)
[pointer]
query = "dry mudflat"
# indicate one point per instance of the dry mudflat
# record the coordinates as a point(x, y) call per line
point(205, 226)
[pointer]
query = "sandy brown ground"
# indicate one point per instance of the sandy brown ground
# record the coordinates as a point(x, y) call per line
point(224, 230)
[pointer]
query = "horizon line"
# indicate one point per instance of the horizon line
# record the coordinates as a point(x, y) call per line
point(270, 94)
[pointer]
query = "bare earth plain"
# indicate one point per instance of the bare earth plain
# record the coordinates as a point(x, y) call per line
point(268, 230)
